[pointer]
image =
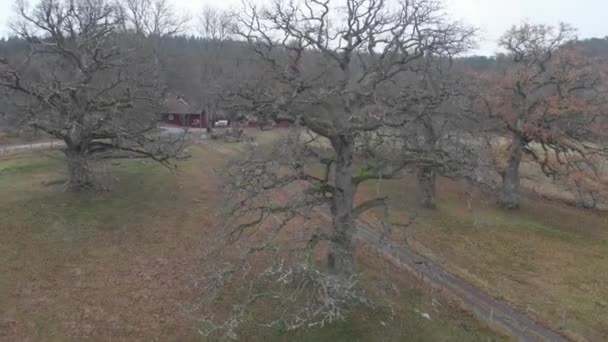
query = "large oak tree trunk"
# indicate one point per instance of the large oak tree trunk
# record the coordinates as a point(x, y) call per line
point(209, 122)
point(425, 187)
point(80, 176)
point(340, 259)
point(510, 193)
point(426, 176)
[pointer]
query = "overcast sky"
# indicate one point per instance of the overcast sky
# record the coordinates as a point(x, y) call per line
point(492, 17)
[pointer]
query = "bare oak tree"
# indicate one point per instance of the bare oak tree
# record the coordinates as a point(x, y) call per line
point(438, 101)
point(87, 82)
point(546, 96)
point(327, 68)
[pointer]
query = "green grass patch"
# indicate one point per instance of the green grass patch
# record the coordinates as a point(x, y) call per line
point(24, 166)
point(493, 218)
point(136, 188)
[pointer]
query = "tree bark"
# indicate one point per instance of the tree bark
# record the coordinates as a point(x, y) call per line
point(80, 176)
point(425, 187)
point(340, 258)
point(425, 177)
point(209, 122)
point(509, 197)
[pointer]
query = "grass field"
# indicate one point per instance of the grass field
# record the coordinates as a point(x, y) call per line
point(547, 259)
point(123, 265)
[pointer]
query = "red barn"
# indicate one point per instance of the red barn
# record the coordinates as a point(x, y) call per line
point(179, 113)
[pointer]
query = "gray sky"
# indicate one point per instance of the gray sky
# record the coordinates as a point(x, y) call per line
point(493, 17)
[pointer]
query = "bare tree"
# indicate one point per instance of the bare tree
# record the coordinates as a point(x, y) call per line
point(87, 83)
point(547, 95)
point(217, 27)
point(326, 68)
point(154, 19)
point(151, 17)
point(438, 100)
point(216, 24)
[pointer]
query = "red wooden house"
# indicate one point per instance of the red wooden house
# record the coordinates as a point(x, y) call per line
point(179, 113)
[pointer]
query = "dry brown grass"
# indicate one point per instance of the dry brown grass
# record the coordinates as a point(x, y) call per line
point(95, 266)
point(129, 264)
point(547, 259)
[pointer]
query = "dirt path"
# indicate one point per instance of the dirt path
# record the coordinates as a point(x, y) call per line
point(4, 149)
point(485, 307)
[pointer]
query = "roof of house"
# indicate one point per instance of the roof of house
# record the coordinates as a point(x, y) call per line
point(177, 105)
